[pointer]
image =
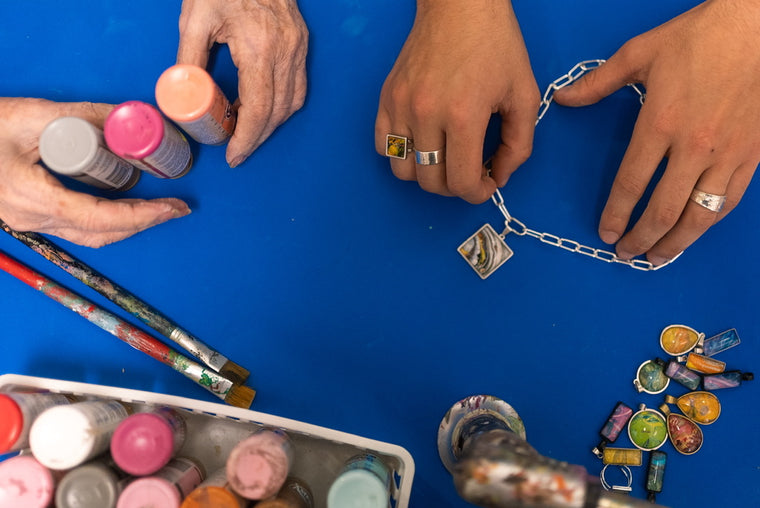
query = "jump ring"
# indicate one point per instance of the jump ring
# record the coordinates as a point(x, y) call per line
point(713, 202)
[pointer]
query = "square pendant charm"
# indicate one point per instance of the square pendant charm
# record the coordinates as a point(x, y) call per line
point(396, 146)
point(485, 251)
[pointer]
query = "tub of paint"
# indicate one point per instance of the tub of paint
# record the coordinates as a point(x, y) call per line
point(214, 429)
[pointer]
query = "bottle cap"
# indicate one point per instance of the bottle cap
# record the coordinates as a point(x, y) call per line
point(89, 486)
point(68, 145)
point(149, 491)
point(185, 92)
point(25, 482)
point(134, 130)
point(142, 444)
point(11, 423)
point(357, 487)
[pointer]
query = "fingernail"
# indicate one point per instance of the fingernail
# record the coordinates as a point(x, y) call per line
point(180, 212)
point(657, 260)
point(608, 236)
point(236, 161)
point(624, 255)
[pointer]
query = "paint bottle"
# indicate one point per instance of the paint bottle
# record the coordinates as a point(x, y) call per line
point(166, 488)
point(96, 484)
point(18, 410)
point(63, 437)
point(145, 442)
point(258, 465)
point(294, 494)
point(139, 133)
point(364, 481)
point(75, 148)
point(188, 95)
point(214, 492)
point(24, 482)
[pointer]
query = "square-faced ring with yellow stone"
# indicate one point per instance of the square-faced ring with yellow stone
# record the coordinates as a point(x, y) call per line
point(397, 146)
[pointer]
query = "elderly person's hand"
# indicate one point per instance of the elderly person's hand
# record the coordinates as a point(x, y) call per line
point(32, 199)
point(268, 42)
point(701, 71)
point(459, 66)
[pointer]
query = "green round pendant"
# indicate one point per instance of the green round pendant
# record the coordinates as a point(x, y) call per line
point(647, 429)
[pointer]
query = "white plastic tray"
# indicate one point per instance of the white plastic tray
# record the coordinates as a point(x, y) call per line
point(213, 429)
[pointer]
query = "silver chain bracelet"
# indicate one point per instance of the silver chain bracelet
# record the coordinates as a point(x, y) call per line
point(486, 250)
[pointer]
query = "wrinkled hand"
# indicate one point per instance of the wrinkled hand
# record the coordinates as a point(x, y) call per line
point(32, 199)
point(268, 42)
point(456, 69)
point(701, 71)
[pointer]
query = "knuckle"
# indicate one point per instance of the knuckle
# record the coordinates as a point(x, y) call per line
point(666, 215)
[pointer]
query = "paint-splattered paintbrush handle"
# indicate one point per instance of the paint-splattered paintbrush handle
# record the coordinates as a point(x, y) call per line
point(212, 381)
point(120, 296)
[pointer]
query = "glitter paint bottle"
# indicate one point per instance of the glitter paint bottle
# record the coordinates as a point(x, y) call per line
point(364, 481)
point(188, 95)
point(145, 442)
point(214, 492)
point(64, 437)
point(75, 148)
point(96, 484)
point(17, 413)
point(258, 465)
point(24, 482)
point(139, 133)
point(294, 494)
point(166, 488)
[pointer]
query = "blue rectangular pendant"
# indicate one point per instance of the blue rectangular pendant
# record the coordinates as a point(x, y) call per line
point(485, 251)
point(720, 342)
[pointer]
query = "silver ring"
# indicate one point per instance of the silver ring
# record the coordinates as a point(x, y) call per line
point(713, 202)
point(429, 158)
point(398, 146)
point(622, 488)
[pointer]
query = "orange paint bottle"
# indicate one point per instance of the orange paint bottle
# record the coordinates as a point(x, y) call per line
point(188, 95)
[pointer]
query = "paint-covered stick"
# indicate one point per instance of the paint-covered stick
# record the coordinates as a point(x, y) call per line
point(129, 302)
point(210, 380)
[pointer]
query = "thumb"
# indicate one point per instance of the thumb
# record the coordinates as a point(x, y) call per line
point(597, 84)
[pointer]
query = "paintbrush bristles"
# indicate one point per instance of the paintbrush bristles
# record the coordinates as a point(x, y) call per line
point(234, 372)
point(240, 396)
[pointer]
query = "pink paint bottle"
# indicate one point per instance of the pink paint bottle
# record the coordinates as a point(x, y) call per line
point(139, 133)
point(188, 95)
point(17, 413)
point(64, 437)
point(258, 465)
point(24, 482)
point(145, 442)
point(166, 488)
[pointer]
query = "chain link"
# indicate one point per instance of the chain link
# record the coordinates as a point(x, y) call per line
point(515, 226)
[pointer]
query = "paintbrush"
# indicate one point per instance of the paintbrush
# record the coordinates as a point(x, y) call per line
point(219, 385)
point(129, 302)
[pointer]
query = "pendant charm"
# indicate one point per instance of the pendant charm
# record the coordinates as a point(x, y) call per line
point(655, 474)
point(730, 379)
point(683, 375)
point(702, 407)
point(612, 427)
point(485, 251)
point(651, 378)
point(684, 434)
point(720, 342)
point(677, 340)
point(647, 429)
point(703, 364)
point(621, 456)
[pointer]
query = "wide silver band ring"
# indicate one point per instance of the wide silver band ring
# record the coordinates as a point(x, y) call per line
point(398, 146)
point(429, 158)
point(713, 202)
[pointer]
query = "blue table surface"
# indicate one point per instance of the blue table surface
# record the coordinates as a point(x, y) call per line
point(340, 287)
